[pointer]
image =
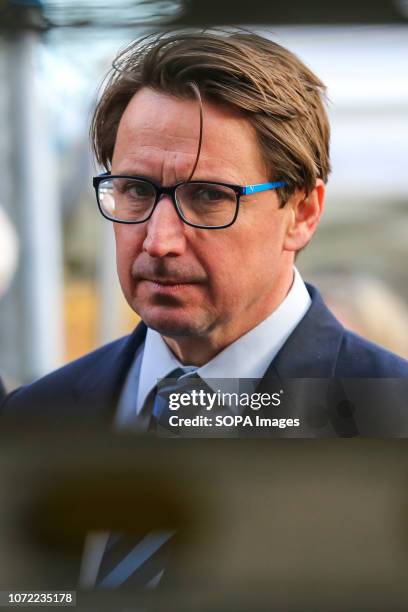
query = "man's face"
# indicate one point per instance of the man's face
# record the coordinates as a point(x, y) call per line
point(186, 282)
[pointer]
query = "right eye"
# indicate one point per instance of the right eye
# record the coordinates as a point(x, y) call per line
point(136, 189)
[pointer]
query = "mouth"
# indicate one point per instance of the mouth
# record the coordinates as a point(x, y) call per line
point(168, 286)
point(169, 282)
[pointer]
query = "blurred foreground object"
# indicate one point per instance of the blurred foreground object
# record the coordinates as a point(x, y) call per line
point(9, 251)
point(262, 526)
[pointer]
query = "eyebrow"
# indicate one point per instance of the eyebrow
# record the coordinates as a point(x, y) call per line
point(199, 178)
point(127, 172)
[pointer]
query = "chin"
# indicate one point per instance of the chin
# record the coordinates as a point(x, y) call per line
point(173, 324)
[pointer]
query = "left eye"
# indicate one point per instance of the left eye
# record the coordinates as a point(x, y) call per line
point(210, 195)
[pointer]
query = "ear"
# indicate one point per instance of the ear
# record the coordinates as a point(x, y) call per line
point(305, 213)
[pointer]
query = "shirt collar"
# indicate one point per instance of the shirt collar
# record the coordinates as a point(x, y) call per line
point(157, 363)
point(247, 357)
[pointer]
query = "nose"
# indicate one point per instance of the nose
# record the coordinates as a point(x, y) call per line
point(165, 231)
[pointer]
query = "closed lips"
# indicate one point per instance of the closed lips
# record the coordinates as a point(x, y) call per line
point(170, 282)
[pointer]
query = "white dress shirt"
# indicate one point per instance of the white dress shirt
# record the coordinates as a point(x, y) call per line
point(248, 357)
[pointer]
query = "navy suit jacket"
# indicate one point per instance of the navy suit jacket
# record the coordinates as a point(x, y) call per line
point(87, 390)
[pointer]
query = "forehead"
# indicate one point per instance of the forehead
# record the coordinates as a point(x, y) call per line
point(156, 125)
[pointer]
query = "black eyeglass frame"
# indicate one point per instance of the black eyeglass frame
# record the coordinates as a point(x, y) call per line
point(171, 191)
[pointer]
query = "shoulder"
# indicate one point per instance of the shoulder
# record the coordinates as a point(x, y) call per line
point(320, 347)
point(93, 379)
point(71, 372)
point(361, 358)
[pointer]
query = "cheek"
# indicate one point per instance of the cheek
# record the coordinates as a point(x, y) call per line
point(250, 260)
point(227, 269)
point(129, 243)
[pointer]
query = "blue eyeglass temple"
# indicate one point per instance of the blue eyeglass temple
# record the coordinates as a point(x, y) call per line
point(250, 189)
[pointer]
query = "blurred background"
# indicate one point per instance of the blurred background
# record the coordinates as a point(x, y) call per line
point(59, 295)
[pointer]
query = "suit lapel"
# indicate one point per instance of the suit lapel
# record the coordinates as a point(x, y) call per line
point(304, 367)
point(97, 392)
point(312, 349)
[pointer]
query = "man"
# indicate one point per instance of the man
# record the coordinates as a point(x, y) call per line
point(216, 149)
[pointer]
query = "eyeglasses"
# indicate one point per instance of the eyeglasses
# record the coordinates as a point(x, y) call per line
point(207, 205)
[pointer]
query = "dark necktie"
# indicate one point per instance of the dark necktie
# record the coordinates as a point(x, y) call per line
point(193, 417)
point(137, 562)
point(141, 562)
point(167, 398)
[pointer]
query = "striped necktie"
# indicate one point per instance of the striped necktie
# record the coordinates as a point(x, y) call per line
point(196, 392)
point(141, 562)
point(171, 387)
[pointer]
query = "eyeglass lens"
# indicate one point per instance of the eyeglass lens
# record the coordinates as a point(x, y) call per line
point(211, 205)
